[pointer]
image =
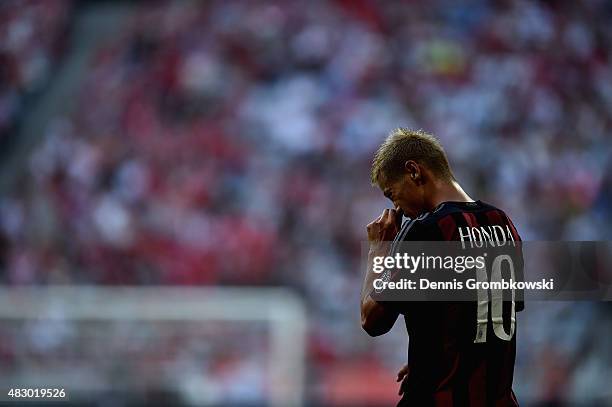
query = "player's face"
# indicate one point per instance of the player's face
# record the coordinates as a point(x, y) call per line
point(405, 195)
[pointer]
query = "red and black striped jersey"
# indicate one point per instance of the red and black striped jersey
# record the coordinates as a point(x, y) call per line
point(452, 363)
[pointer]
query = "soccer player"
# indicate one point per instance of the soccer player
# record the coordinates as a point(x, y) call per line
point(459, 355)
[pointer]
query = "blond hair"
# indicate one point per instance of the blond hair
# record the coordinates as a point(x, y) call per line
point(404, 144)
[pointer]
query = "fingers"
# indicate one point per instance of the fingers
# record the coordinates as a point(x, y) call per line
point(403, 371)
point(377, 220)
point(401, 388)
point(383, 216)
point(387, 216)
point(392, 216)
point(384, 227)
point(381, 220)
point(400, 376)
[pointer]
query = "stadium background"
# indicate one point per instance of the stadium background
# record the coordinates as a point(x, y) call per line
point(221, 144)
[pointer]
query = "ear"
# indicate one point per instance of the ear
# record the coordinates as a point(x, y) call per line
point(414, 171)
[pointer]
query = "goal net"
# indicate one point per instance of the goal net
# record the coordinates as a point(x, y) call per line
point(191, 346)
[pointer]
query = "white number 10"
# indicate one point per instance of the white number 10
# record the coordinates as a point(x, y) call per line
point(497, 319)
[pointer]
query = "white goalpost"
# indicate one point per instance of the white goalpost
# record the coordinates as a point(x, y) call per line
point(280, 311)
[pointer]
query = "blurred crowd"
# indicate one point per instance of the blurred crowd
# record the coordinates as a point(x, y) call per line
point(222, 143)
point(32, 35)
point(168, 362)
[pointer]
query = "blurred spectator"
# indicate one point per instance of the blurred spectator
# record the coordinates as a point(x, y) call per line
point(229, 143)
point(32, 34)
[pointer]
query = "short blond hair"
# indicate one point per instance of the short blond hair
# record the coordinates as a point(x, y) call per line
point(404, 144)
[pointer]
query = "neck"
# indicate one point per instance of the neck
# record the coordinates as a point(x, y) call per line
point(445, 191)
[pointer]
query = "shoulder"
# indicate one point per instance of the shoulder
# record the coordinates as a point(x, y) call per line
point(423, 227)
point(441, 223)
